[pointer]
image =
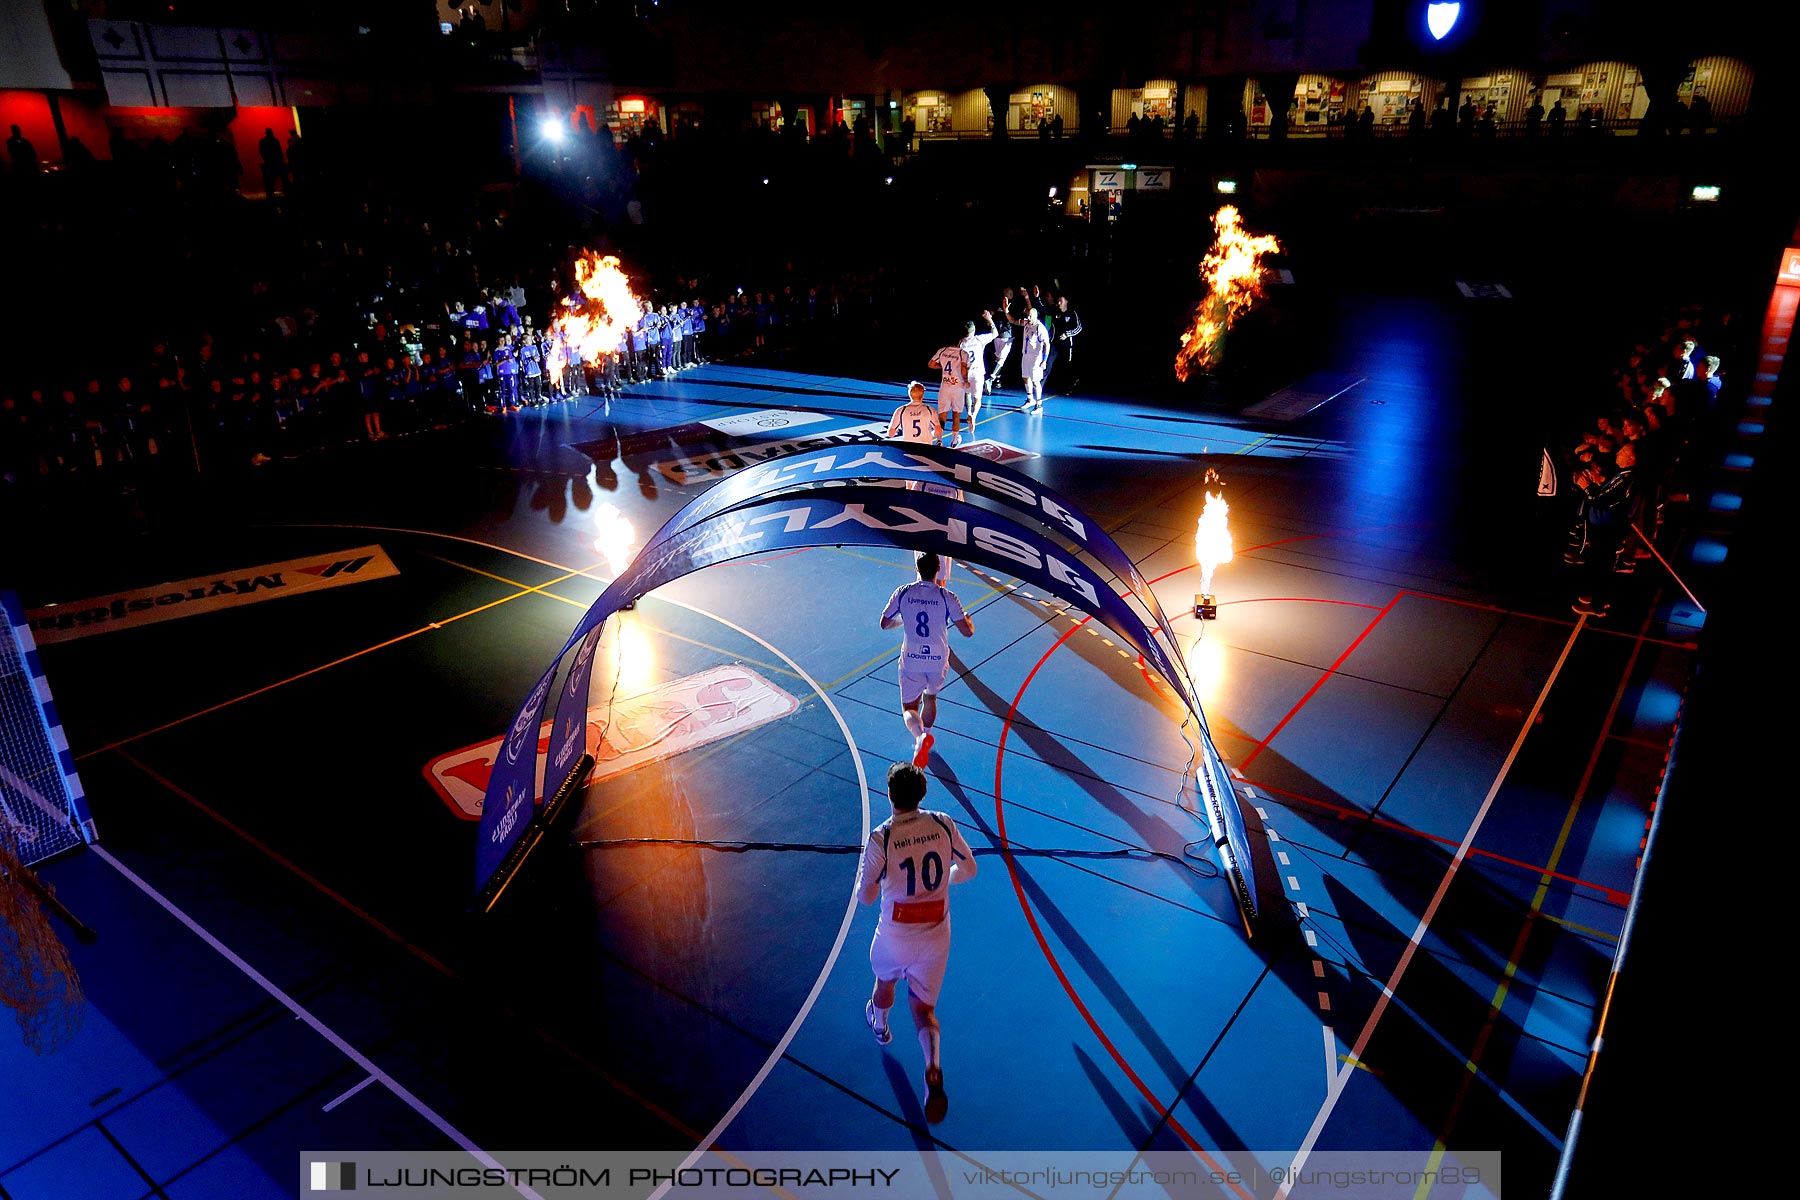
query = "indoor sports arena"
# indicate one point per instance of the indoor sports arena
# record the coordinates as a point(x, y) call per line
point(545, 544)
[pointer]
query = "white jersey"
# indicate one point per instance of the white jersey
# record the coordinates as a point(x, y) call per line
point(913, 858)
point(975, 346)
point(926, 612)
point(915, 423)
point(954, 362)
point(1036, 343)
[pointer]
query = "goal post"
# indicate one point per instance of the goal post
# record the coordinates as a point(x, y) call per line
point(43, 810)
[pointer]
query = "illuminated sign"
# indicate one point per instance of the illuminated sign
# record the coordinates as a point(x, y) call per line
point(1789, 274)
point(1705, 193)
point(631, 106)
point(1226, 186)
point(1441, 18)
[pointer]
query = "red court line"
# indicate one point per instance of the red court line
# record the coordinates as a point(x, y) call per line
point(1044, 944)
point(1299, 600)
point(1019, 887)
point(1345, 812)
point(1328, 673)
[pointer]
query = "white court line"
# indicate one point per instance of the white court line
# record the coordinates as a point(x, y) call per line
point(359, 1087)
point(1338, 1082)
point(1330, 1053)
point(837, 947)
point(862, 781)
point(319, 1027)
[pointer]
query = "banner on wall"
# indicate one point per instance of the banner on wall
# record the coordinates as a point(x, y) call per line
point(769, 508)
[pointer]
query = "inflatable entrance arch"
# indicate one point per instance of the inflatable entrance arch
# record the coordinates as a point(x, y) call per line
point(824, 498)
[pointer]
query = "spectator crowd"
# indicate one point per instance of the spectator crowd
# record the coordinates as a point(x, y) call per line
point(1632, 462)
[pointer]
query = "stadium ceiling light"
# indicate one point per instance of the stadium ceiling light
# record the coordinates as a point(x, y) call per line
point(1226, 187)
point(1441, 18)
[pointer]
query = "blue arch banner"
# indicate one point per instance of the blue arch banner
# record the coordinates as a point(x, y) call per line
point(915, 462)
point(776, 511)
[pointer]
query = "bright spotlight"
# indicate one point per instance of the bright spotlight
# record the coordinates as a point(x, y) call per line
point(1440, 18)
point(890, 179)
point(1226, 186)
point(551, 128)
point(765, 182)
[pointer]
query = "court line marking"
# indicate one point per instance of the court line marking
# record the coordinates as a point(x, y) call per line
point(837, 947)
point(427, 628)
point(855, 755)
point(367, 1080)
point(1345, 812)
point(1037, 932)
point(1341, 1080)
point(1472, 1062)
point(319, 1027)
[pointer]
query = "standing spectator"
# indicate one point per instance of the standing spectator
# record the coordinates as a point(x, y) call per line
point(1465, 118)
point(22, 152)
point(274, 163)
point(1415, 119)
point(1065, 324)
point(1700, 114)
point(368, 376)
point(924, 853)
point(1443, 121)
point(1555, 118)
point(1609, 500)
point(1534, 117)
point(1003, 341)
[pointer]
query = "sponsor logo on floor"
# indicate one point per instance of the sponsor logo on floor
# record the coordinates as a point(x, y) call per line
point(993, 451)
point(665, 721)
point(764, 422)
point(712, 467)
point(208, 593)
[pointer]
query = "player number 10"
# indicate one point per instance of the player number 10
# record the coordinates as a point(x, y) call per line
point(931, 868)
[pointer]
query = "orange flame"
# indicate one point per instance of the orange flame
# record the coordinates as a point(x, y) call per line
point(1212, 536)
point(597, 325)
point(1233, 272)
point(616, 538)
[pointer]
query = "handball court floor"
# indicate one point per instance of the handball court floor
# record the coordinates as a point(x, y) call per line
point(1459, 772)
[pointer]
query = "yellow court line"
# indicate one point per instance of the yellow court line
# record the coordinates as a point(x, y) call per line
point(435, 625)
point(767, 666)
point(1498, 1001)
point(1580, 928)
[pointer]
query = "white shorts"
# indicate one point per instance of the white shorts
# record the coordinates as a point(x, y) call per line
point(919, 960)
point(976, 382)
point(950, 399)
point(920, 680)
